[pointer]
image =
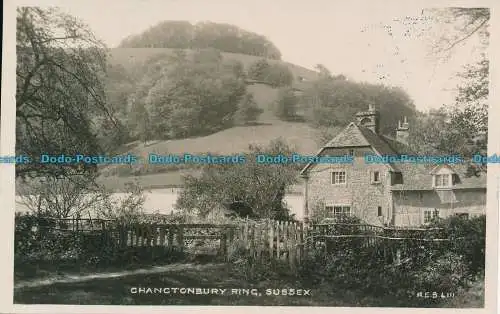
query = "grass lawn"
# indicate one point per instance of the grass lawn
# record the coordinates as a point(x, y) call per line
point(117, 291)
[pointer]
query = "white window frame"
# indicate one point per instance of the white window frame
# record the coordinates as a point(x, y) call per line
point(340, 172)
point(444, 180)
point(433, 213)
point(343, 210)
point(332, 208)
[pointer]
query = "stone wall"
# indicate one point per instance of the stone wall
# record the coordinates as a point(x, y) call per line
point(359, 192)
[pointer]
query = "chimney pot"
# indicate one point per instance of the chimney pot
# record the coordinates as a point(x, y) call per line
point(402, 132)
point(369, 119)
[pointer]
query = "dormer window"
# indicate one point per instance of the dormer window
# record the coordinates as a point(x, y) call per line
point(443, 177)
point(443, 180)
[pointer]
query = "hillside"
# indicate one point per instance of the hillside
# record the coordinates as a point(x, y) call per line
point(230, 141)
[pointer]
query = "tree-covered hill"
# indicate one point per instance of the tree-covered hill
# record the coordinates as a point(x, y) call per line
point(184, 35)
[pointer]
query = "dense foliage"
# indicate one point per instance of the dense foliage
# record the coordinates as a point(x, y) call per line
point(333, 101)
point(40, 241)
point(462, 127)
point(184, 35)
point(248, 112)
point(274, 74)
point(285, 106)
point(245, 189)
point(184, 96)
point(60, 103)
point(433, 266)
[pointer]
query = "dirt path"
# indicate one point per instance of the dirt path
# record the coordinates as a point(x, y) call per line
point(82, 278)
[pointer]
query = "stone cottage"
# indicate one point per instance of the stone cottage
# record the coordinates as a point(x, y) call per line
point(397, 194)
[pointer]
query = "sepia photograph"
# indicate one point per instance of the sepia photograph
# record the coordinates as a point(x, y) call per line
point(250, 153)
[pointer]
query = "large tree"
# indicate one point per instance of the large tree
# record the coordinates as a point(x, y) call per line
point(462, 127)
point(59, 95)
point(247, 189)
point(194, 96)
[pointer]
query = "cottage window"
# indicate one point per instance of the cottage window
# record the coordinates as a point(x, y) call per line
point(351, 152)
point(442, 180)
point(379, 211)
point(430, 215)
point(341, 211)
point(375, 177)
point(338, 177)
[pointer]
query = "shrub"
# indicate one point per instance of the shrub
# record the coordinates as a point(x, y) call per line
point(362, 272)
point(275, 74)
point(469, 240)
point(285, 106)
point(432, 266)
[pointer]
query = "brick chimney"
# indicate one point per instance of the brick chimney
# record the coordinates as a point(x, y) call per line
point(369, 119)
point(402, 132)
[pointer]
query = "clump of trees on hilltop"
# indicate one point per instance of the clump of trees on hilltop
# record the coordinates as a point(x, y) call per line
point(184, 35)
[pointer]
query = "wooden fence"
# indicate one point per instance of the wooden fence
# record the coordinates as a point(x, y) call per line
point(265, 239)
point(270, 239)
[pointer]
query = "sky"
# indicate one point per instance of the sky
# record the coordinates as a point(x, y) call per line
point(372, 42)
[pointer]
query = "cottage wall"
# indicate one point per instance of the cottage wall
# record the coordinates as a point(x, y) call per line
point(359, 192)
point(409, 206)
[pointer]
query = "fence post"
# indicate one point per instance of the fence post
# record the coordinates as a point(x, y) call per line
point(292, 249)
point(232, 236)
point(301, 242)
point(286, 238)
point(171, 237)
point(246, 234)
point(180, 237)
point(278, 240)
point(258, 241)
point(271, 239)
point(162, 235)
point(251, 239)
point(223, 246)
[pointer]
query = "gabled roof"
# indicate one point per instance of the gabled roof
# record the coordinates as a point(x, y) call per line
point(418, 177)
point(439, 167)
point(351, 136)
point(358, 136)
point(415, 176)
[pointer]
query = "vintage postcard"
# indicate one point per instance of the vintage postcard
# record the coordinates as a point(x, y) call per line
point(339, 155)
